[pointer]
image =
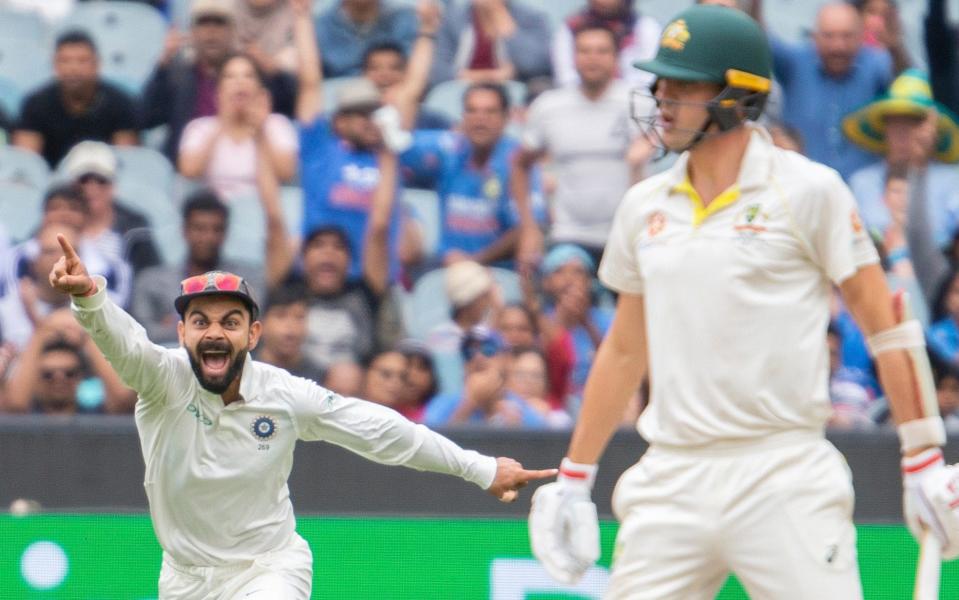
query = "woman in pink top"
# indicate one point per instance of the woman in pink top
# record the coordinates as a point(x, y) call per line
point(222, 150)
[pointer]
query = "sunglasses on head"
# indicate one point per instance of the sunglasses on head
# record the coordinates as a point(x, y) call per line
point(219, 282)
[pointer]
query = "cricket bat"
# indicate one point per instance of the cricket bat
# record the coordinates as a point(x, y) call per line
point(927, 571)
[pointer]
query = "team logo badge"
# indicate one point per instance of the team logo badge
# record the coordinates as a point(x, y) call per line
point(264, 428)
point(655, 224)
point(492, 188)
point(750, 219)
point(675, 35)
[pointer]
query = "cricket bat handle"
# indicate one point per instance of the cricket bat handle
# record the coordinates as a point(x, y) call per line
point(927, 572)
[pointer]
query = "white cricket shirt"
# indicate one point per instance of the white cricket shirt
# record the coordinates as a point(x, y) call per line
point(737, 294)
point(216, 475)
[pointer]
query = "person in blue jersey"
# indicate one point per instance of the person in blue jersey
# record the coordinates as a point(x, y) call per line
point(337, 152)
point(470, 172)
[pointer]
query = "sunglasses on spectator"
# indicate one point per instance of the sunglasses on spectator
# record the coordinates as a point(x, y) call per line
point(219, 282)
point(94, 178)
point(51, 374)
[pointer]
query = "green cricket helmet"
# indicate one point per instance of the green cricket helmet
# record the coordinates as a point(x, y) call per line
point(716, 44)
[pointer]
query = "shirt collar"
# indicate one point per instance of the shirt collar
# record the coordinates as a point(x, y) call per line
point(753, 171)
point(248, 379)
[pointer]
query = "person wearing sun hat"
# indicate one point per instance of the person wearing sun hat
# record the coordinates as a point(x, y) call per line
point(910, 129)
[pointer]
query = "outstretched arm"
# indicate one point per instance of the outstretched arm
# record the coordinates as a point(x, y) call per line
point(408, 95)
point(309, 98)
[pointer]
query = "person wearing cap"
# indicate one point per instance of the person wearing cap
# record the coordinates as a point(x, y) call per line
point(77, 105)
point(346, 29)
point(218, 430)
point(724, 265)
point(338, 152)
point(183, 85)
point(117, 231)
point(910, 130)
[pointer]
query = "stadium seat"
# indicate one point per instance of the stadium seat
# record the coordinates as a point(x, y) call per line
point(25, 62)
point(22, 24)
point(292, 198)
point(155, 204)
point(25, 168)
point(429, 305)
point(129, 38)
point(11, 97)
point(170, 243)
point(425, 209)
point(447, 97)
point(246, 235)
point(20, 207)
point(145, 166)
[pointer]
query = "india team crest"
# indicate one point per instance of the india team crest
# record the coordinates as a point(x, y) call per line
point(492, 188)
point(264, 428)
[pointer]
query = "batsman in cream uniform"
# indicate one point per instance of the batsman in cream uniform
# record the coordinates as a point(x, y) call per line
point(217, 430)
point(725, 265)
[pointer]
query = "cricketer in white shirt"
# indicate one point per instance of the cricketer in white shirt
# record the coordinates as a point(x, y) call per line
point(217, 463)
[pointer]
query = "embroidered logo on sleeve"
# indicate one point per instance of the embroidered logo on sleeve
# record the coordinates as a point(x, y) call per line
point(264, 428)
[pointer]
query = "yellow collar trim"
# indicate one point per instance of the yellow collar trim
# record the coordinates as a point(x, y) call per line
point(700, 210)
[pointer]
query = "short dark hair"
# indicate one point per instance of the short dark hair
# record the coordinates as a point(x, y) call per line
point(383, 46)
point(204, 200)
point(328, 229)
point(75, 36)
point(497, 88)
point(60, 344)
point(597, 26)
point(286, 295)
point(70, 192)
point(260, 74)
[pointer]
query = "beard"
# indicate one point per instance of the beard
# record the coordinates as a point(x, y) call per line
point(216, 385)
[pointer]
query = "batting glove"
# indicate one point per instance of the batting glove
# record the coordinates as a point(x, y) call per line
point(931, 498)
point(563, 526)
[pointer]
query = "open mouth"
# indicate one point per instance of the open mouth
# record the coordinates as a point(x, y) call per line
point(215, 362)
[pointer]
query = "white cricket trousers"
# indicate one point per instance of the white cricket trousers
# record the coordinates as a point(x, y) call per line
point(284, 574)
point(777, 513)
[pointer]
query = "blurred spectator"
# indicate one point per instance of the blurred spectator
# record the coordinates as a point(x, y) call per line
point(348, 28)
point(385, 379)
point(586, 132)
point(223, 149)
point(61, 371)
point(518, 326)
point(882, 29)
point(492, 40)
point(485, 400)
point(205, 222)
point(345, 378)
point(824, 80)
point(118, 232)
point(264, 30)
point(386, 65)
point(527, 378)
point(909, 129)
point(942, 53)
point(78, 105)
point(421, 383)
point(636, 38)
point(284, 332)
point(471, 174)
point(943, 334)
point(851, 401)
point(183, 84)
point(946, 377)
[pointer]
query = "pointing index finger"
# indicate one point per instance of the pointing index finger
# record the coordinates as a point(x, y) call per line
point(68, 250)
point(541, 474)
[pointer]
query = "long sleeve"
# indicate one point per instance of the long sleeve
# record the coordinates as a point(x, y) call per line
point(384, 436)
point(928, 261)
point(141, 365)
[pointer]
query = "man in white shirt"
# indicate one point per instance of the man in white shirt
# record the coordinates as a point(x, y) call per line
point(217, 430)
point(724, 265)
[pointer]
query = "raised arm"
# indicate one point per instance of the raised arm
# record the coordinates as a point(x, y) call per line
point(529, 247)
point(376, 256)
point(309, 98)
point(279, 247)
point(408, 96)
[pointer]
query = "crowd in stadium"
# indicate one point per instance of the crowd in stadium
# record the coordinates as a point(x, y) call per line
point(420, 195)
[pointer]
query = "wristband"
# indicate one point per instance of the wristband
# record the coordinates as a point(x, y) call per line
point(897, 255)
point(922, 433)
point(922, 461)
point(904, 336)
point(578, 473)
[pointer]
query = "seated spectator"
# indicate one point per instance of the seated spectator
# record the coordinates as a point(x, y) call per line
point(636, 37)
point(851, 402)
point(385, 379)
point(118, 232)
point(946, 377)
point(470, 172)
point(585, 131)
point(284, 333)
point(61, 371)
point(183, 86)
point(485, 400)
point(77, 105)
point(527, 377)
point(942, 53)
point(222, 150)
point(943, 334)
point(421, 383)
point(518, 326)
point(338, 162)
point(492, 40)
point(907, 128)
point(345, 378)
point(824, 80)
point(348, 28)
point(205, 222)
point(882, 29)
point(264, 30)
point(386, 65)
